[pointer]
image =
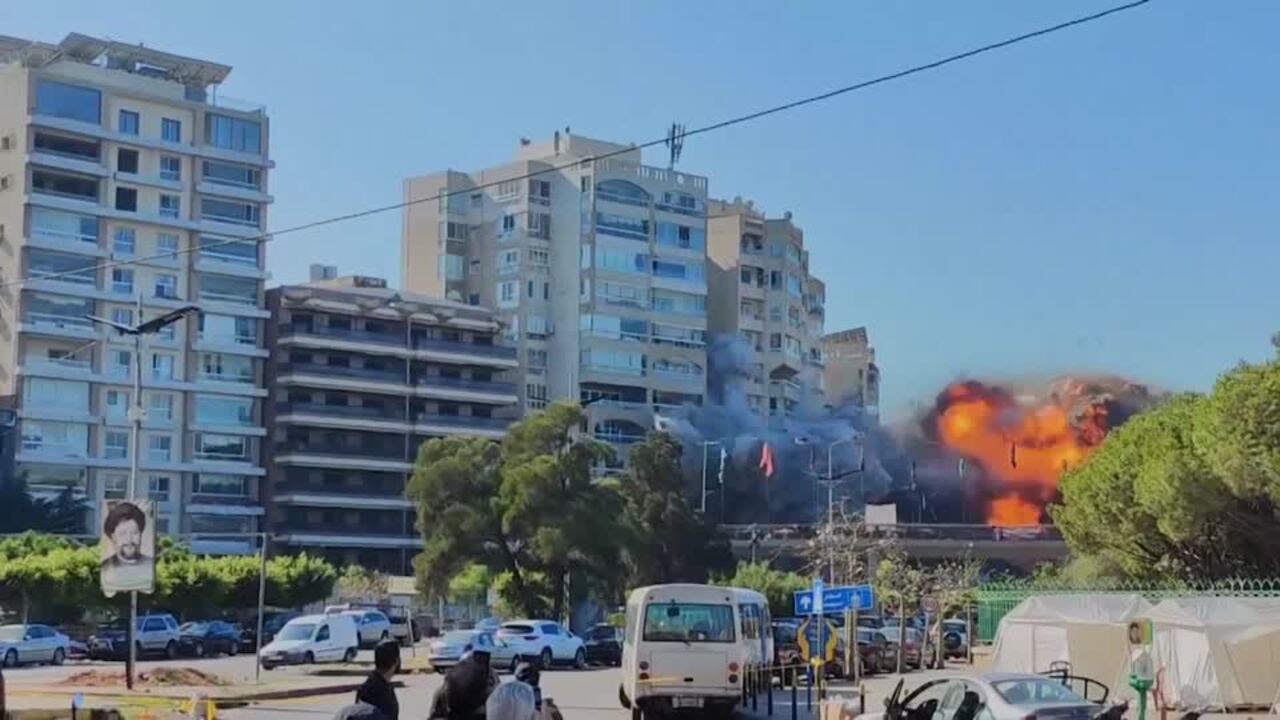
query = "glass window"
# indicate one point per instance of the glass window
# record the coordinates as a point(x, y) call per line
point(167, 287)
point(115, 444)
point(681, 236)
point(229, 211)
point(170, 205)
point(224, 410)
point(55, 438)
point(167, 243)
point(114, 485)
point(170, 167)
point(122, 281)
point(240, 252)
point(160, 407)
point(63, 394)
point(61, 225)
point(128, 122)
point(119, 362)
point(229, 329)
point(127, 161)
point(77, 187)
point(124, 241)
point(71, 147)
point(454, 267)
point(622, 226)
point(72, 102)
point(218, 484)
point(171, 130)
point(211, 446)
point(162, 366)
point(224, 288)
point(231, 524)
point(688, 623)
point(127, 199)
point(117, 405)
point(231, 174)
point(233, 133)
point(159, 448)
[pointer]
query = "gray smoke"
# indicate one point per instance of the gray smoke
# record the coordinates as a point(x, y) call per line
point(799, 443)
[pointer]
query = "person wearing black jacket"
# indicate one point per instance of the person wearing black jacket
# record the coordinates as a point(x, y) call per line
point(466, 688)
point(377, 690)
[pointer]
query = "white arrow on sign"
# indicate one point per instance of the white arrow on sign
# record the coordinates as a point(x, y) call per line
point(806, 601)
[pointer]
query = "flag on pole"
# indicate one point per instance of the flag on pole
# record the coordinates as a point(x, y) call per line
point(766, 460)
point(724, 459)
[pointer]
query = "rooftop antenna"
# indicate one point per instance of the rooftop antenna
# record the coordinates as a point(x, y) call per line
point(675, 143)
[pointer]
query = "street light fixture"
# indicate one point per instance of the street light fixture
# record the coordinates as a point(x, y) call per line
point(149, 327)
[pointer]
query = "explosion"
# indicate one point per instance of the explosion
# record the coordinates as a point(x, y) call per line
point(1023, 442)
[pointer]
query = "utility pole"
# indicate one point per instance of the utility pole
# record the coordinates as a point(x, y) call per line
point(703, 504)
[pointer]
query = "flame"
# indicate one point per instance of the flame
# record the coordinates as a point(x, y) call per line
point(1022, 447)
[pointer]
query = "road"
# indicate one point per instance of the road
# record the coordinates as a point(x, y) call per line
point(587, 694)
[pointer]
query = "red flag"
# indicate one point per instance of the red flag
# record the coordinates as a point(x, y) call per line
point(766, 460)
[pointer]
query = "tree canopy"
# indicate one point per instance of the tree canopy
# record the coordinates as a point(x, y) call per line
point(776, 585)
point(1188, 489)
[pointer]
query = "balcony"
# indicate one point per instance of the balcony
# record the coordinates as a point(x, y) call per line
point(464, 421)
point(58, 367)
point(339, 451)
point(72, 325)
point(78, 243)
point(617, 438)
point(350, 411)
point(464, 348)
point(344, 334)
point(347, 373)
point(485, 386)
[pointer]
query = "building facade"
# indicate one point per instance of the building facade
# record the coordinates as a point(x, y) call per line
point(851, 370)
point(360, 375)
point(762, 291)
point(115, 153)
point(596, 267)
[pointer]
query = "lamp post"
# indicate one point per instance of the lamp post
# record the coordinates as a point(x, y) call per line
point(149, 327)
point(703, 502)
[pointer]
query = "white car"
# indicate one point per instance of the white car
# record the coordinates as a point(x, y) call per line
point(372, 625)
point(22, 644)
point(450, 649)
point(545, 640)
point(994, 696)
point(312, 639)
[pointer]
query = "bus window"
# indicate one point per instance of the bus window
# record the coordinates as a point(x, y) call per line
point(688, 622)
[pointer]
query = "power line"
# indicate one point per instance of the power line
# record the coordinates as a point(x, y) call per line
point(267, 237)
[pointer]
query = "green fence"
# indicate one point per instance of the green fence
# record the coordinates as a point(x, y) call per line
point(996, 599)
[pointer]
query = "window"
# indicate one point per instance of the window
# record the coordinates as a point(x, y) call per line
point(124, 241)
point(224, 410)
point(228, 329)
point(539, 257)
point(72, 102)
point(229, 174)
point(160, 407)
point(167, 287)
point(229, 250)
point(124, 316)
point(122, 281)
point(76, 187)
point(159, 448)
point(55, 438)
point(117, 405)
point(115, 445)
point(474, 267)
point(128, 123)
point(74, 148)
point(508, 189)
point(537, 358)
point(170, 167)
point(693, 272)
point(622, 226)
point(162, 366)
point(229, 211)
point(223, 288)
point(167, 243)
point(119, 362)
point(217, 484)
point(539, 225)
point(540, 191)
point(775, 341)
point(114, 485)
point(171, 130)
point(529, 289)
point(508, 223)
point(688, 623)
point(210, 446)
point(127, 199)
point(454, 267)
point(233, 133)
point(546, 290)
point(619, 261)
point(170, 205)
point(458, 231)
point(507, 293)
point(473, 299)
point(681, 236)
point(536, 396)
point(63, 225)
point(508, 261)
point(61, 394)
point(127, 161)
point(615, 361)
point(678, 303)
point(751, 617)
point(622, 294)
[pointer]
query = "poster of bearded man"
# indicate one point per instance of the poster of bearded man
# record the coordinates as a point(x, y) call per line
point(128, 547)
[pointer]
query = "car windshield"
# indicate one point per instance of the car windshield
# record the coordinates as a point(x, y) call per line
point(515, 630)
point(11, 633)
point(300, 631)
point(688, 622)
point(954, 625)
point(195, 628)
point(1033, 691)
point(458, 637)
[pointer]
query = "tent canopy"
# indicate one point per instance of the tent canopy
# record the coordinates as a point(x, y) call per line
point(1078, 608)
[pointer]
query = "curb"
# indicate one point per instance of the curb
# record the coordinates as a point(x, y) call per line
point(162, 695)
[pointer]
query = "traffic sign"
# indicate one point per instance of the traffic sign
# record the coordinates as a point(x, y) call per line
point(818, 640)
point(834, 600)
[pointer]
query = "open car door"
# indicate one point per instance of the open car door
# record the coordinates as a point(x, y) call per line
point(919, 704)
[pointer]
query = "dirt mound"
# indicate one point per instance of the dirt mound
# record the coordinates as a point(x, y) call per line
point(160, 677)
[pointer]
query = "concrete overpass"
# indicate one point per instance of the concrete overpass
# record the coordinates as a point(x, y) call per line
point(1021, 548)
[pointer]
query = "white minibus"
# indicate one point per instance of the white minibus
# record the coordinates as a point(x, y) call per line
point(688, 646)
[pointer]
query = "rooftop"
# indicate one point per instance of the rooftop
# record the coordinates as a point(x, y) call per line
point(115, 55)
point(356, 288)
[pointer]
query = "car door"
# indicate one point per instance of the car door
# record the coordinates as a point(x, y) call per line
point(553, 638)
point(323, 644)
point(152, 634)
point(35, 647)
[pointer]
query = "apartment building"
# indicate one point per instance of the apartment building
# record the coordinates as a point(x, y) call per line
point(360, 375)
point(762, 290)
point(596, 268)
point(851, 370)
point(117, 153)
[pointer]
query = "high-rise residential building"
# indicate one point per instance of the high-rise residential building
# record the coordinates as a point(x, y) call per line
point(360, 375)
point(852, 374)
point(596, 267)
point(762, 291)
point(117, 153)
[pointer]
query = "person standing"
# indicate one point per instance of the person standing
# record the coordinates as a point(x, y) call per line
point(377, 690)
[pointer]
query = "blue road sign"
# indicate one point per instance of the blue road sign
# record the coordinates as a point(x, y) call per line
point(835, 600)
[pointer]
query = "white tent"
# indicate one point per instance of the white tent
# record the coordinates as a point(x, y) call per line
point(1217, 652)
point(1089, 631)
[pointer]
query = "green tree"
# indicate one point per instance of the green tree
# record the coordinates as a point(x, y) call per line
point(188, 586)
point(49, 578)
point(776, 585)
point(64, 513)
point(1187, 490)
point(359, 583)
point(526, 509)
point(471, 585)
point(900, 584)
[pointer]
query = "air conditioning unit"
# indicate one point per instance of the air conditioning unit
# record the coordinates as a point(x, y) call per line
point(8, 142)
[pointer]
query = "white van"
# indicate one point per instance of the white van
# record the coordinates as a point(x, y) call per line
point(312, 639)
point(687, 646)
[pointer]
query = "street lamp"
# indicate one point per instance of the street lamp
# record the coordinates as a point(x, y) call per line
point(150, 327)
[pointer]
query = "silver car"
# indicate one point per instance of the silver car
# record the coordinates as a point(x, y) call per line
point(454, 645)
point(994, 696)
point(25, 644)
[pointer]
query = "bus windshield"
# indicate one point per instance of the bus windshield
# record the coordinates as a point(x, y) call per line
point(688, 623)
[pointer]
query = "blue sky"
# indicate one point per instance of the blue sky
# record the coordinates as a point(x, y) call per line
point(1102, 199)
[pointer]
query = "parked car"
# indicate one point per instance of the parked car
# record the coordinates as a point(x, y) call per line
point(311, 639)
point(77, 650)
point(153, 635)
point(208, 638)
point(373, 626)
point(603, 645)
point(786, 651)
point(955, 638)
point(404, 630)
point(545, 640)
point(875, 651)
point(454, 645)
point(998, 696)
point(272, 621)
point(32, 643)
point(912, 646)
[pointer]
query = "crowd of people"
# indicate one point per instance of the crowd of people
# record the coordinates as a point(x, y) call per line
point(471, 691)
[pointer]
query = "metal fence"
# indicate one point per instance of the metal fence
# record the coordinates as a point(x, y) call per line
point(996, 599)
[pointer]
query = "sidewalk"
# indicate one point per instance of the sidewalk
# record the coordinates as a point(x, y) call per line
point(55, 696)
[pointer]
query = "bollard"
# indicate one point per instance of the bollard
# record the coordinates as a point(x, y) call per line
point(808, 689)
point(745, 690)
point(769, 690)
point(755, 688)
point(862, 700)
point(795, 699)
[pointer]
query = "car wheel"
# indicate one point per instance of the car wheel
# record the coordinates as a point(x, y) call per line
point(349, 656)
point(385, 635)
point(546, 658)
point(232, 649)
point(59, 655)
point(308, 659)
point(198, 649)
point(580, 659)
point(623, 700)
point(11, 658)
point(171, 650)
